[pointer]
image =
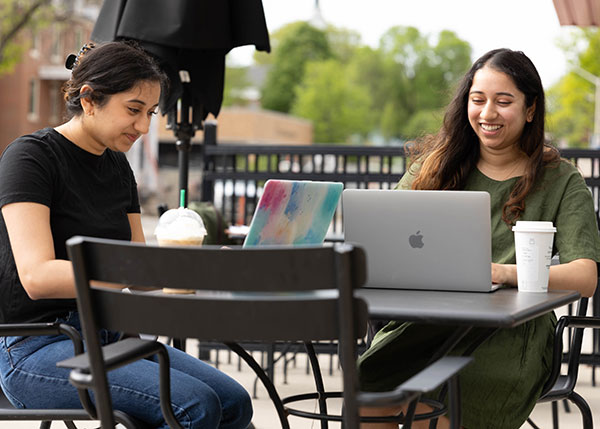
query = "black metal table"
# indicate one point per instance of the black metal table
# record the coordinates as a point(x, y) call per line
point(504, 308)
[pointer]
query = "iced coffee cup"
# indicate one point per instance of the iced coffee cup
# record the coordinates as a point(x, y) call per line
point(180, 227)
point(533, 247)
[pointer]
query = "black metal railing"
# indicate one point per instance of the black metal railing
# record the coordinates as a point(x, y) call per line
point(234, 174)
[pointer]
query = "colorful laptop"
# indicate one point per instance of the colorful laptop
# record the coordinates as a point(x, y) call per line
point(293, 212)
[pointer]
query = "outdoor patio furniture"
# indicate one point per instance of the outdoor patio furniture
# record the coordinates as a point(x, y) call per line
point(560, 387)
point(47, 416)
point(266, 298)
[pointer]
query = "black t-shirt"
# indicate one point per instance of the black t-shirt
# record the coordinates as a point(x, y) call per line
point(87, 195)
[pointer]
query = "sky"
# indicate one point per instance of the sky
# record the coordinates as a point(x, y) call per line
point(528, 25)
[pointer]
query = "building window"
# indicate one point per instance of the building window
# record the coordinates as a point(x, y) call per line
point(34, 100)
point(56, 50)
point(36, 43)
point(78, 40)
point(55, 102)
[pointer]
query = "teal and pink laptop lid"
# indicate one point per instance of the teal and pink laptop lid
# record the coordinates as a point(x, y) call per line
point(293, 212)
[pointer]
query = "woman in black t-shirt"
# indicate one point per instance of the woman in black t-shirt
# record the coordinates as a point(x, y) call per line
point(74, 180)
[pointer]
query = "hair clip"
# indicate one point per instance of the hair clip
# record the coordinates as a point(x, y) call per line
point(73, 60)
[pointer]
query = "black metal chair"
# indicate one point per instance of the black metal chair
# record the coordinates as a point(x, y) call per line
point(10, 413)
point(562, 386)
point(47, 416)
point(275, 293)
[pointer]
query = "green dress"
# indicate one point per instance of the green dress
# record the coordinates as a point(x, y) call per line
point(501, 387)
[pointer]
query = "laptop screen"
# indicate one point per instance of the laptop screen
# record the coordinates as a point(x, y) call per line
point(293, 212)
point(422, 239)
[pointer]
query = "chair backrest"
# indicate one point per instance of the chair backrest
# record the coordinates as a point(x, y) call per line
point(259, 294)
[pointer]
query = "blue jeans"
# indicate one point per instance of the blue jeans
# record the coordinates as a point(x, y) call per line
point(201, 396)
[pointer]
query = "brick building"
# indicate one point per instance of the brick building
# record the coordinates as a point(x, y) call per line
point(30, 96)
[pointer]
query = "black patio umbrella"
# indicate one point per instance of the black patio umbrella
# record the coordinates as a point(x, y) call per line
point(190, 39)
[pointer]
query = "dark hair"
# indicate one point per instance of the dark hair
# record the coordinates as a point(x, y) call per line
point(448, 157)
point(108, 69)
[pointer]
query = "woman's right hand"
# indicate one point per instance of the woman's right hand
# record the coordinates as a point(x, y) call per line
point(504, 274)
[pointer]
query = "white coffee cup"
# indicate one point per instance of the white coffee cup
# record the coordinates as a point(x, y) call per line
point(533, 247)
point(180, 227)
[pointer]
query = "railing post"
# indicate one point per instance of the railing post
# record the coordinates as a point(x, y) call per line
point(210, 139)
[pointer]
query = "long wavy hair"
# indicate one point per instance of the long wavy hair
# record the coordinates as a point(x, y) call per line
point(447, 158)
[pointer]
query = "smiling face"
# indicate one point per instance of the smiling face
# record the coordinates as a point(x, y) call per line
point(117, 124)
point(497, 110)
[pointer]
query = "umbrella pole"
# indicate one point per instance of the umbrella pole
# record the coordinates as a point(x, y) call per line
point(183, 161)
point(184, 131)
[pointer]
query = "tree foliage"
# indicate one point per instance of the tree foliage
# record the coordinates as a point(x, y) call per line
point(571, 112)
point(337, 106)
point(236, 83)
point(302, 43)
point(16, 16)
point(571, 101)
point(419, 77)
point(396, 90)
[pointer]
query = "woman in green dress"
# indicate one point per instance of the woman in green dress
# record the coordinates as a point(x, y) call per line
point(492, 139)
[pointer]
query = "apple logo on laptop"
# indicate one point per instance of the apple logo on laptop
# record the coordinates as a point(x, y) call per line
point(416, 240)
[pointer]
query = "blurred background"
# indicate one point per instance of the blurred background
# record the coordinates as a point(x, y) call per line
point(344, 72)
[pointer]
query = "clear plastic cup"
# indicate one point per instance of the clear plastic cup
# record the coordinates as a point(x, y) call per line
point(180, 227)
point(533, 247)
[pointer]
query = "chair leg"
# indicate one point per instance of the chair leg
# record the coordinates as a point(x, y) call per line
point(584, 408)
point(45, 424)
point(318, 379)
point(555, 415)
point(179, 343)
point(410, 414)
point(70, 425)
point(454, 402)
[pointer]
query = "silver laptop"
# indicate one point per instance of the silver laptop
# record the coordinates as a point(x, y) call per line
point(437, 240)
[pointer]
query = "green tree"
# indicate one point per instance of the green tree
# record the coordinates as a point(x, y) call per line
point(417, 78)
point(571, 112)
point(344, 43)
point(571, 100)
point(275, 38)
point(16, 16)
point(338, 107)
point(236, 83)
point(301, 43)
point(424, 122)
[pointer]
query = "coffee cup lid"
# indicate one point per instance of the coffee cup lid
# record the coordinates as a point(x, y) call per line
point(533, 226)
point(180, 223)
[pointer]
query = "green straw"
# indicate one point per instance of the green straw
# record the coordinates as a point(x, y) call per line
point(182, 198)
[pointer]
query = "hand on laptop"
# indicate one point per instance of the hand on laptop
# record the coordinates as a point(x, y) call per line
point(504, 274)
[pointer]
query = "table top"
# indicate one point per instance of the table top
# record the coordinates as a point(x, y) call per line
point(503, 308)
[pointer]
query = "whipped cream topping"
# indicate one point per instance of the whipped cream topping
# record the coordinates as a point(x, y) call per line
point(179, 224)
